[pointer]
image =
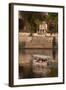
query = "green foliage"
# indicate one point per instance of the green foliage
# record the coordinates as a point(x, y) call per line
point(52, 18)
point(35, 18)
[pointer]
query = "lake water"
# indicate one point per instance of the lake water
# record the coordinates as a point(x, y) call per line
point(26, 68)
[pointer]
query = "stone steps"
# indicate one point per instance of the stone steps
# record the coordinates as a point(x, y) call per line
point(39, 42)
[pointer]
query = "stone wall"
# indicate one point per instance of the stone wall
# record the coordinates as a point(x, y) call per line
point(36, 41)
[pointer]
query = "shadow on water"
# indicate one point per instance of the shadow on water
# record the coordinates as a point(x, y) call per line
point(54, 52)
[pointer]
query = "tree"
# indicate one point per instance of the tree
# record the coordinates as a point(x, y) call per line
point(52, 19)
point(34, 19)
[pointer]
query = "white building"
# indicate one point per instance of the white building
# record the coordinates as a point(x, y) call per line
point(42, 28)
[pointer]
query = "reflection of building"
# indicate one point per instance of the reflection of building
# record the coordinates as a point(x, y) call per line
point(42, 28)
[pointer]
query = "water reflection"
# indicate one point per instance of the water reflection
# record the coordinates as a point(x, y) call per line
point(54, 53)
point(29, 68)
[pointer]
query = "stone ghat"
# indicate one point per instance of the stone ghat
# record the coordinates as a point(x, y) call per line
point(36, 42)
point(39, 42)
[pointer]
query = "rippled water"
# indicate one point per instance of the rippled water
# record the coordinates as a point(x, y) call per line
point(26, 68)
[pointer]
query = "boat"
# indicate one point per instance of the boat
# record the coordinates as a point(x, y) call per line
point(42, 64)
